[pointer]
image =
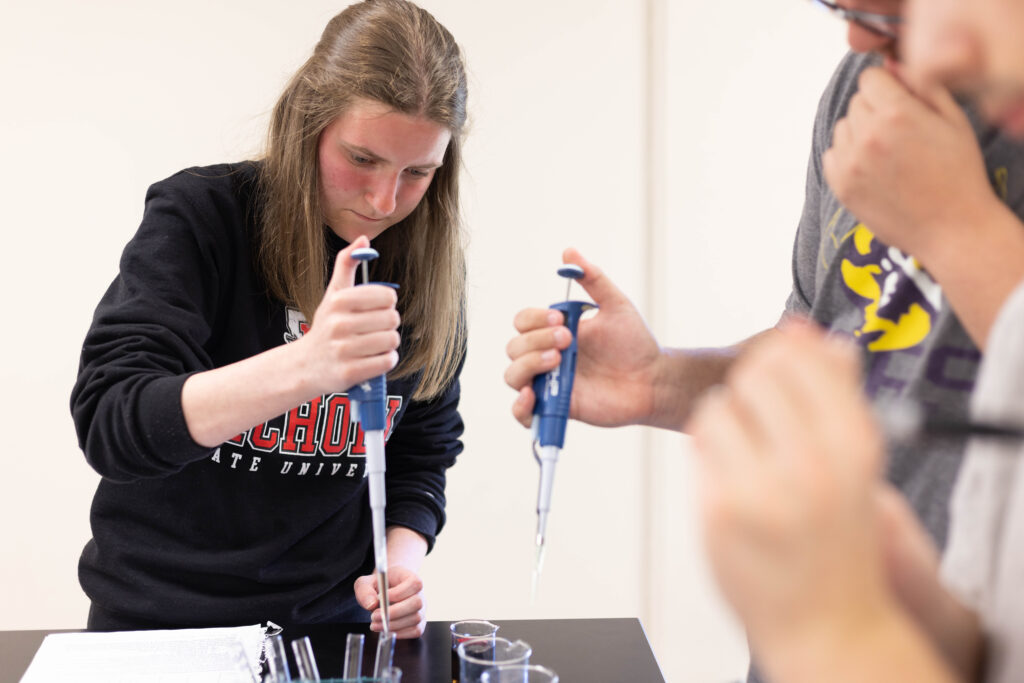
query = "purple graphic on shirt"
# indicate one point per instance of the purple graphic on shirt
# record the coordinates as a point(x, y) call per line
point(898, 299)
point(900, 304)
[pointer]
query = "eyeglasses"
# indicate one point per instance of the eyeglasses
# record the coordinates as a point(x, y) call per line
point(879, 24)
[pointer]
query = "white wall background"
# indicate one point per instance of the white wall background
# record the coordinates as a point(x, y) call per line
point(667, 139)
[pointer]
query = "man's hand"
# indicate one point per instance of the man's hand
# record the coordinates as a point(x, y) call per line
point(617, 361)
point(907, 164)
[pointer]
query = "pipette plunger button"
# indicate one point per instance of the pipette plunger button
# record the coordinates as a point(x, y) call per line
point(571, 271)
point(364, 254)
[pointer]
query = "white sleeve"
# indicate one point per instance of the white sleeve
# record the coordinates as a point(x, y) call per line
point(984, 558)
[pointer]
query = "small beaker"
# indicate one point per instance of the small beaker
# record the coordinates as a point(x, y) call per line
point(483, 654)
point(390, 675)
point(519, 673)
point(471, 628)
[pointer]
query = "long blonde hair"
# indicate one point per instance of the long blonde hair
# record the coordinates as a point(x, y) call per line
point(396, 53)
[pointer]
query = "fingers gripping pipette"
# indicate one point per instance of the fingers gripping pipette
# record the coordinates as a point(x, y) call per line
point(369, 404)
point(553, 390)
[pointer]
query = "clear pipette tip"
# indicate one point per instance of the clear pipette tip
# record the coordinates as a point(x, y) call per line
point(538, 565)
point(385, 606)
point(537, 568)
point(546, 456)
point(542, 525)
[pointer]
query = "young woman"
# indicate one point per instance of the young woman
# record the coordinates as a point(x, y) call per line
point(211, 394)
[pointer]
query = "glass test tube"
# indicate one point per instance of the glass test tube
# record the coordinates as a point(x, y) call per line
point(304, 659)
point(385, 653)
point(353, 667)
point(277, 661)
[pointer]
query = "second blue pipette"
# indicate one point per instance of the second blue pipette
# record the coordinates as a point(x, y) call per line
point(553, 391)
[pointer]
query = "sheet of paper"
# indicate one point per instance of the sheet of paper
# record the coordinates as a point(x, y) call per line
point(207, 655)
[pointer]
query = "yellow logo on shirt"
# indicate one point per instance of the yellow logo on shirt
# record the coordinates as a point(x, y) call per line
point(881, 275)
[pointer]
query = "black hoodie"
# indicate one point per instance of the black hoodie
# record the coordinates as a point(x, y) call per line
point(274, 524)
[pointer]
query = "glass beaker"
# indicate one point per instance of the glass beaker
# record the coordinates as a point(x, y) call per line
point(471, 628)
point(390, 675)
point(519, 673)
point(483, 654)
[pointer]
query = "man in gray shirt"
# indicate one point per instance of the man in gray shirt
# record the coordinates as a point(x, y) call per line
point(913, 337)
point(904, 163)
point(830, 572)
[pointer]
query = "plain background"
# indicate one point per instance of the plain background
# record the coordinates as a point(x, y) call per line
point(667, 139)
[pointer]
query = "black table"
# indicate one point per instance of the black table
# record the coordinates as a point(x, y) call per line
point(579, 650)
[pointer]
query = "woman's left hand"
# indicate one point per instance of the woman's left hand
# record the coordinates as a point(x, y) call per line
point(405, 594)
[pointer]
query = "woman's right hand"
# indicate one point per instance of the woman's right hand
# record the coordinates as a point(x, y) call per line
point(354, 334)
point(616, 362)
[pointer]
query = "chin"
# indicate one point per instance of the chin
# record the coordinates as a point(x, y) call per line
point(352, 233)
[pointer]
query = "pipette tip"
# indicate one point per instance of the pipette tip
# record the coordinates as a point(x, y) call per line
point(538, 566)
point(385, 603)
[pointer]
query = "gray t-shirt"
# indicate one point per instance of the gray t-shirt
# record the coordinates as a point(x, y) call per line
point(914, 346)
point(984, 561)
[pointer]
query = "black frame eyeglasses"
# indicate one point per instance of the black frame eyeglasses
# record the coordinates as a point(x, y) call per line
point(884, 25)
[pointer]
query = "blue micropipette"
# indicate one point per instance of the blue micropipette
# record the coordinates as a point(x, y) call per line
point(369, 404)
point(553, 390)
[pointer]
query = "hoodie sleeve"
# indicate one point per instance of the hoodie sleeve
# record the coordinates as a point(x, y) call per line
point(149, 333)
point(420, 450)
